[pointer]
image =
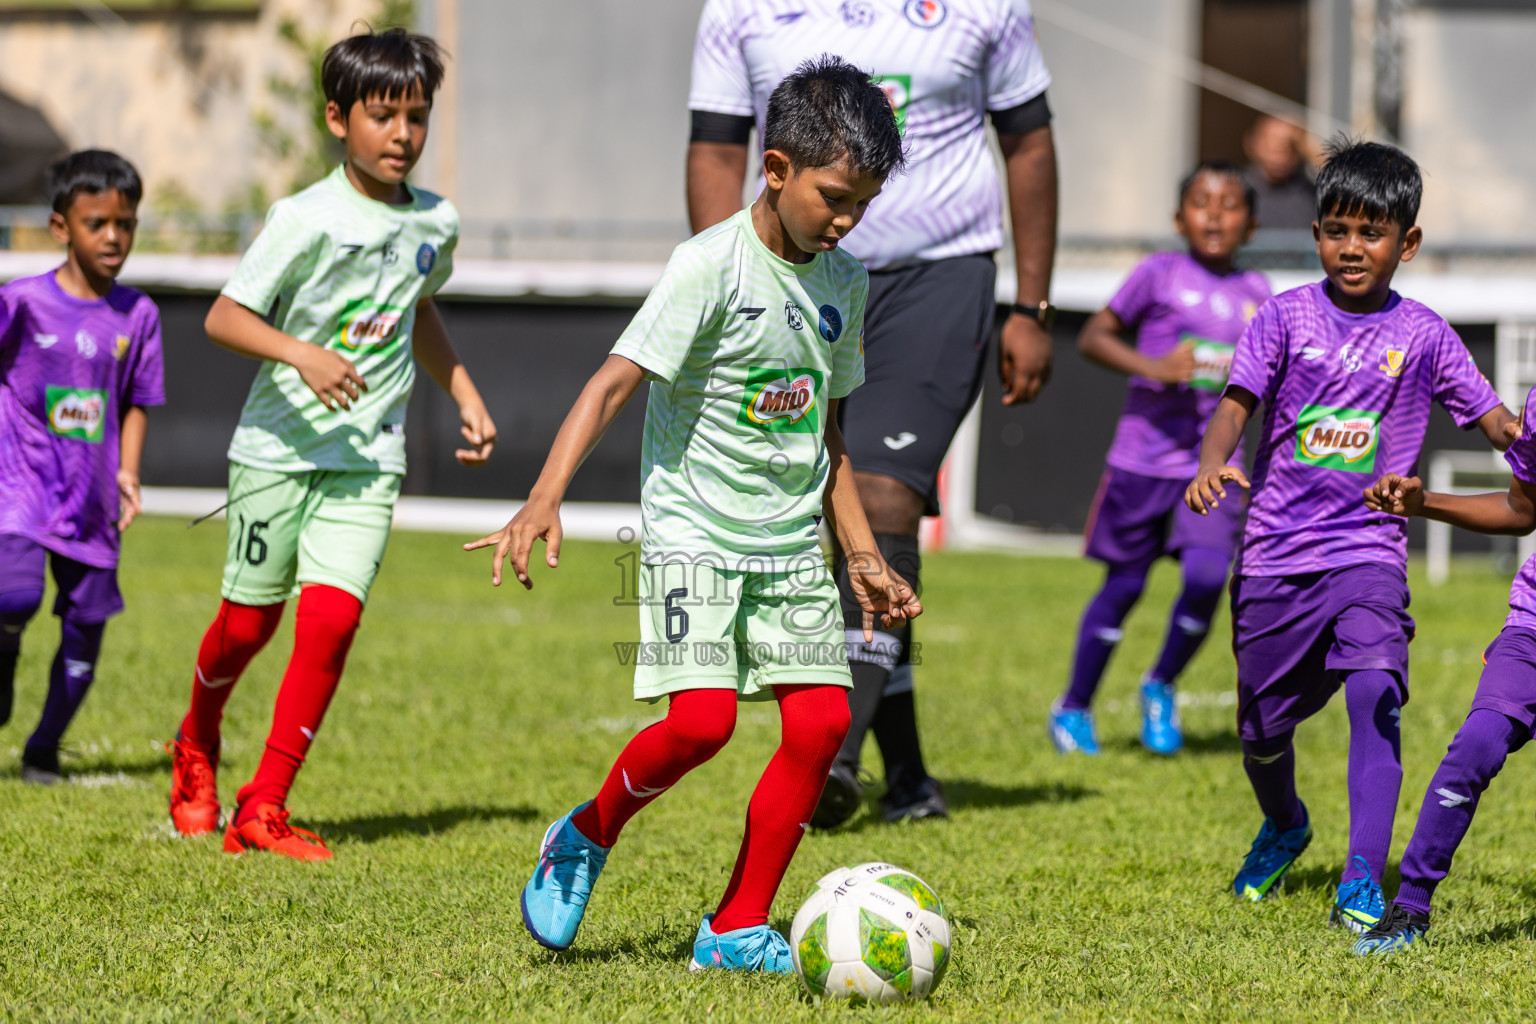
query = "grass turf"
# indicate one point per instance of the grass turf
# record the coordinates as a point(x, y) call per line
point(469, 718)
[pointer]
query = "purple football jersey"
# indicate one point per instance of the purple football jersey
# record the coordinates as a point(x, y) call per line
point(1522, 460)
point(69, 370)
point(1171, 299)
point(1346, 399)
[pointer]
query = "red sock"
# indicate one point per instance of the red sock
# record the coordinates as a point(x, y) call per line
point(815, 722)
point(323, 630)
point(238, 632)
point(698, 724)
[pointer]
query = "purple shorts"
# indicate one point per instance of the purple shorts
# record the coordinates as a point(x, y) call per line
point(1294, 636)
point(87, 594)
point(1136, 519)
point(1508, 683)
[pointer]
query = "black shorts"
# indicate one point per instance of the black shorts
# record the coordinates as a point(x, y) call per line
point(926, 329)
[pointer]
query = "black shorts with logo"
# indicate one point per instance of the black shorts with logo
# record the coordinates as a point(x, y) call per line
point(926, 329)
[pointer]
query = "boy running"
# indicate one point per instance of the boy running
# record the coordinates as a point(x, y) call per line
point(1188, 309)
point(349, 267)
point(750, 339)
point(1503, 710)
point(79, 363)
point(1346, 369)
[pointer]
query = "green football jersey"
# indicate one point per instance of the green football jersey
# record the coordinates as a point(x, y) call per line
point(743, 350)
point(340, 270)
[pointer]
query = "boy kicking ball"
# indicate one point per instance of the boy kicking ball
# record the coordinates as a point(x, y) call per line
point(80, 361)
point(1347, 370)
point(349, 265)
point(750, 339)
point(1503, 710)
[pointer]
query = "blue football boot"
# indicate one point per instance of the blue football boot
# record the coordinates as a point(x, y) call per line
point(1271, 856)
point(1398, 929)
point(1160, 731)
point(745, 949)
point(1072, 730)
point(1359, 903)
point(555, 898)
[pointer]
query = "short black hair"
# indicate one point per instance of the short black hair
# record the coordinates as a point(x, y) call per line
point(1369, 179)
point(94, 171)
point(1225, 169)
point(828, 110)
point(388, 64)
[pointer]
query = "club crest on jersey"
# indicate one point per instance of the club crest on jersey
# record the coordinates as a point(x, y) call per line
point(1352, 358)
point(1213, 363)
point(85, 344)
point(391, 254)
point(426, 259)
point(120, 346)
point(1392, 362)
point(781, 399)
point(793, 316)
point(830, 325)
point(925, 13)
point(363, 326)
point(857, 13)
point(79, 413)
point(1338, 438)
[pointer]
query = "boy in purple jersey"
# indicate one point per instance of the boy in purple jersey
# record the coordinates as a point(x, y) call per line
point(79, 362)
point(1503, 710)
point(1346, 369)
point(1188, 310)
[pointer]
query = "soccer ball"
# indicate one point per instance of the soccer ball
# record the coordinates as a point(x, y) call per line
point(874, 933)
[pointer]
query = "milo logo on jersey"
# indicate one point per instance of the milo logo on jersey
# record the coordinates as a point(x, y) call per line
point(367, 326)
point(1338, 438)
point(80, 413)
point(1213, 362)
point(781, 399)
point(898, 92)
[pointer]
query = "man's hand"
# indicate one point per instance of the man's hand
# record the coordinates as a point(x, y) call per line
point(330, 375)
point(478, 430)
point(1177, 367)
point(881, 592)
point(1024, 356)
point(537, 518)
point(129, 504)
point(1206, 491)
point(1396, 495)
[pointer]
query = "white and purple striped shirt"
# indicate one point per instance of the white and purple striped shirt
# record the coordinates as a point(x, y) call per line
point(944, 64)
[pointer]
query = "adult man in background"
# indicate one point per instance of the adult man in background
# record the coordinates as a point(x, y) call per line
point(928, 242)
point(1284, 195)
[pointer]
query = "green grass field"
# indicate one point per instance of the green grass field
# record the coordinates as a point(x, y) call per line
point(469, 718)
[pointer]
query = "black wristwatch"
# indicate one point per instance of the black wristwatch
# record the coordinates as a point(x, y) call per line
point(1043, 313)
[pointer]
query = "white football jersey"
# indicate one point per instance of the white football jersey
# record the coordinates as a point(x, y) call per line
point(943, 63)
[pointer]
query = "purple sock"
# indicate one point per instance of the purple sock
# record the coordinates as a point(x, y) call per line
point(1205, 574)
point(74, 667)
point(1100, 633)
point(1373, 700)
point(1271, 768)
point(1476, 755)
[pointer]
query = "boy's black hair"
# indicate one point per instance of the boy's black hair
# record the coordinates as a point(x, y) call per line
point(1226, 169)
point(94, 171)
point(829, 109)
point(386, 64)
point(1369, 179)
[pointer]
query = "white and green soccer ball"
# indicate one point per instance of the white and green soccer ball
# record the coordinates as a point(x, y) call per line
point(874, 933)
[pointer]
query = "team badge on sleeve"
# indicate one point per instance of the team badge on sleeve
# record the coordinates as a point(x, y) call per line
point(831, 323)
point(426, 259)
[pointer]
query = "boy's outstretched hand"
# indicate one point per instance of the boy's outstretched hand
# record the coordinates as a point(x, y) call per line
point(1396, 495)
point(534, 520)
point(1205, 492)
point(479, 431)
point(881, 592)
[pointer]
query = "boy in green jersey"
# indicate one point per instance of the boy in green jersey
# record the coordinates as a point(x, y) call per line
point(347, 269)
point(750, 339)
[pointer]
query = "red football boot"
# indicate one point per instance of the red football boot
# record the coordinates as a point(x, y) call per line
point(267, 828)
point(194, 792)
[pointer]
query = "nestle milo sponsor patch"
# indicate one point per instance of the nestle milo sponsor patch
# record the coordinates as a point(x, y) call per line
point(1213, 362)
point(782, 399)
point(80, 413)
point(1338, 438)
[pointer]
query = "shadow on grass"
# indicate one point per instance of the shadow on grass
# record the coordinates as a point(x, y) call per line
point(387, 826)
point(971, 793)
point(653, 947)
point(1221, 744)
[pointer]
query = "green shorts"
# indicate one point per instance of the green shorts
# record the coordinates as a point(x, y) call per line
point(703, 628)
point(318, 526)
